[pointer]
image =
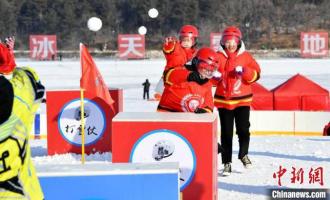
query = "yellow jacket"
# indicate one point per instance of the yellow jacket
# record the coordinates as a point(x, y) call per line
point(17, 173)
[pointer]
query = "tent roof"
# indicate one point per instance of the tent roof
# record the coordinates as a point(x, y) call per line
point(257, 88)
point(299, 84)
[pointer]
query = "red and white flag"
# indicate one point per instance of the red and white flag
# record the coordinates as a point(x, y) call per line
point(91, 79)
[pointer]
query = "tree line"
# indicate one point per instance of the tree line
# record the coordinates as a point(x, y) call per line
point(264, 23)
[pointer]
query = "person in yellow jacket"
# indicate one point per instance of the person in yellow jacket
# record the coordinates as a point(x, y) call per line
point(20, 97)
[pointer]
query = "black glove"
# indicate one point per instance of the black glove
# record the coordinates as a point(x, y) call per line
point(194, 76)
point(191, 66)
point(194, 62)
point(200, 110)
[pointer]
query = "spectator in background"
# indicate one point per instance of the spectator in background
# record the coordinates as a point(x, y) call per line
point(233, 95)
point(146, 86)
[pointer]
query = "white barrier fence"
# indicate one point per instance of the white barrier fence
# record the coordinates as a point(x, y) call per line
point(262, 122)
point(288, 122)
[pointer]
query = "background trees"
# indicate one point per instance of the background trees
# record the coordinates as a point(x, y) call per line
point(264, 23)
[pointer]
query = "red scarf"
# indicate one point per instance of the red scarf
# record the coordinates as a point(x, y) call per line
point(229, 67)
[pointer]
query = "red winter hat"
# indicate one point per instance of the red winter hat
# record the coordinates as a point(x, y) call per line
point(207, 59)
point(231, 32)
point(230, 37)
point(7, 60)
point(188, 31)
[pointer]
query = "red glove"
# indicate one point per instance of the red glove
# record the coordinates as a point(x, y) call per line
point(169, 44)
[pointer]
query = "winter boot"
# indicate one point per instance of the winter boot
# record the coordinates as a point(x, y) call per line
point(246, 162)
point(227, 169)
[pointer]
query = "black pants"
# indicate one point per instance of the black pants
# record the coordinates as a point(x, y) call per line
point(241, 115)
point(146, 92)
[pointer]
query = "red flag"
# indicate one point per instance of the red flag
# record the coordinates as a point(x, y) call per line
point(91, 79)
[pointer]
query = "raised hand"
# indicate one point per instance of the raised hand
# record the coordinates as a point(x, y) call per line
point(169, 40)
point(10, 42)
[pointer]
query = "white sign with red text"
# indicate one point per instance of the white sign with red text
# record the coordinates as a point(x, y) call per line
point(131, 46)
point(215, 41)
point(43, 47)
point(314, 44)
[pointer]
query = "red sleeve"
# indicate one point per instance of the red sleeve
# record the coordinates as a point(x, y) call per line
point(251, 71)
point(214, 81)
point(190, 53)
point(176, 57)
point(7, 60)
point(208, 103)
point(250, 75)
point(175, 75)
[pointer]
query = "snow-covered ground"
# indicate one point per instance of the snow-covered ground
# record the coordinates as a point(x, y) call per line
point(267, 153)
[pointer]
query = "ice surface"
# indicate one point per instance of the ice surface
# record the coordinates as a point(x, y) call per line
point(267, 153)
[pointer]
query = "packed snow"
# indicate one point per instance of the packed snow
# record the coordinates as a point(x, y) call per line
point(268, 153)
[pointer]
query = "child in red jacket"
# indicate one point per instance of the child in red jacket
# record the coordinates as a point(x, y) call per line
point(190, 91)
point(233, 95)
point(178, 52)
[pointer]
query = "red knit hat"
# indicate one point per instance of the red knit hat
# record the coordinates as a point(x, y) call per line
point(230, 37)
point(207, 59)
point(188, 31)
point(229, 33)
point(7, 60)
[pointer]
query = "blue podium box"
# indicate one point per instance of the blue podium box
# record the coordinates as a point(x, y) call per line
point(123, 181)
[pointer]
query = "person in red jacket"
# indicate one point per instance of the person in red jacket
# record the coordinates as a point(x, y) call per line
point(7, 58)
point(178, 52)
point(189, 90)
point(233, 95)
